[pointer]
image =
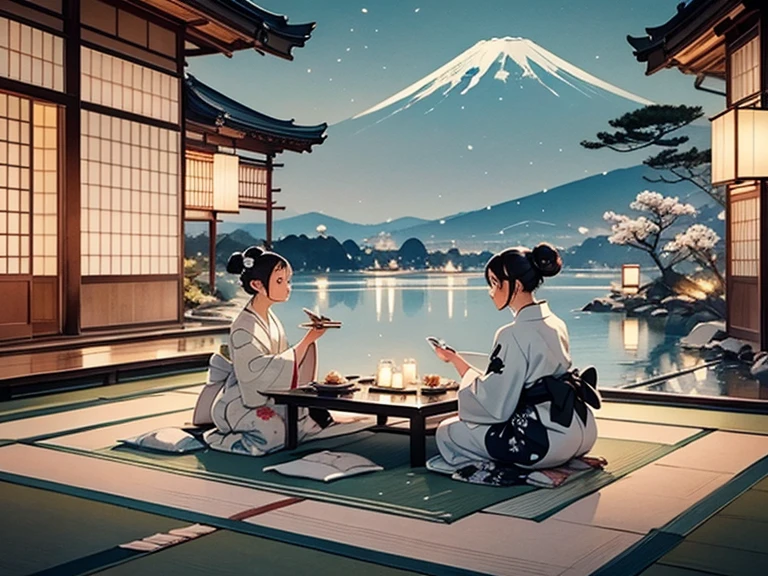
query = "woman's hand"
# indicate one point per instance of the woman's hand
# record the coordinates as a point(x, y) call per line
point(452, 357)
point(314, 333)
point(445, 354)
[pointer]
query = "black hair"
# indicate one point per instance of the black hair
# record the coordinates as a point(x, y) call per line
point(262, 264)
point(528, 266)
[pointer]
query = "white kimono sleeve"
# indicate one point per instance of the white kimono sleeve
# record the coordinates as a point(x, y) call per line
point(492, 398)
point(257, 370)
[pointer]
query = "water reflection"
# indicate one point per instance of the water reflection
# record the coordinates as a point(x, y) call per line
point(389, 317)
point(413, 300)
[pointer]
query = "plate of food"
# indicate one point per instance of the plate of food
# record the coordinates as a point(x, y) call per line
point(436, 384)
point(334, 381)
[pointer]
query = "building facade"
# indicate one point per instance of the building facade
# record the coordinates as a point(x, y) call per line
point(728, 40)
point(93, 154)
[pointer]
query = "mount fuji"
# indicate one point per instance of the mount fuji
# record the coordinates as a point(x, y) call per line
point(501, 120)
point(477, 61)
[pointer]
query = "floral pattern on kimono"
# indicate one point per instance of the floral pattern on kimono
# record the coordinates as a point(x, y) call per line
point(247, 421)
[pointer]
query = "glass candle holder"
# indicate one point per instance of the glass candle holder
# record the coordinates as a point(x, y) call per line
point(397, 380)
point(384, 373)
point(409, 371)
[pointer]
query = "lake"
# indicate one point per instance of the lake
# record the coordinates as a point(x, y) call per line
point(390, 315)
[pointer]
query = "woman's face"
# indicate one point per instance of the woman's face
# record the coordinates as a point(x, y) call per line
point(280, 284)
point(498, 291)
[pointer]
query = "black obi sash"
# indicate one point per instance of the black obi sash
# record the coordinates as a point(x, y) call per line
point(523, 440)
point(569, 393)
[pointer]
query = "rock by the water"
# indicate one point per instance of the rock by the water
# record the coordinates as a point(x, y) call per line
point(599, 305)
point(642, 310)
point(702, 334)
point(733, 346)
point(760, 367)
point(677, 323)
point(657, 292)
point(747, 356)
point(678, 302)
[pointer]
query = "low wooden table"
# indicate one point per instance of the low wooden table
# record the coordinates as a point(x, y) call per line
point(415, 407)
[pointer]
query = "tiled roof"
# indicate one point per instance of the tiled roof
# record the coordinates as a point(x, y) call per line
point(212, 108)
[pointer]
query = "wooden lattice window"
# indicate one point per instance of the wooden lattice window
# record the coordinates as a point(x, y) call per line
point(130, 87)
point(253, 185)
point(15, 193)
point(45, 185)
point(745, 231)
point(199, 181)
point(745, 71)
point(130, 194)
point(30, 55)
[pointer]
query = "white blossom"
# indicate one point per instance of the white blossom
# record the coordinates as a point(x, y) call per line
point(626, 229)
point(662, 206)
point(698, 238)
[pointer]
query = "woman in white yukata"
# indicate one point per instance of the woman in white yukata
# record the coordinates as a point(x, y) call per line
point(528, 410)
point(247, 421)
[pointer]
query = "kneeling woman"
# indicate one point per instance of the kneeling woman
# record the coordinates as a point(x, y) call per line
point(247, 421)
point(528, 409)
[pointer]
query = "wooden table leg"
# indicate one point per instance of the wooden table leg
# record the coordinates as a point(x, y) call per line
point(292, 439)
point(418, 442)
point(381, 419)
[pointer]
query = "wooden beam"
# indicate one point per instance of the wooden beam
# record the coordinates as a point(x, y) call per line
point(763, 221)
point(212, 254)
point(181, 167)
point(268, 239)
point(71, 192)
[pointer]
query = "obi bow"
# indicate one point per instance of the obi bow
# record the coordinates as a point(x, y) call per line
point(570, 393)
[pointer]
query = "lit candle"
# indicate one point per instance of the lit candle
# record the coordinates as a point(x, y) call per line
point(409, 371)
point(384, 376)
point(397, 380)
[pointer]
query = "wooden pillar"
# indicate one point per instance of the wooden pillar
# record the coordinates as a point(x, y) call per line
point(763, 222)
point(71, 192)
point(182, 166)
point(212, 254)
point(270, 168)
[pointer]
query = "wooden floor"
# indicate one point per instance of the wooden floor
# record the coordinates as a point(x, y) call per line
point(61, 368)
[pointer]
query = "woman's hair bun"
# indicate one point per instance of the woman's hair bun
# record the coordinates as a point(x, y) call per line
point(254, 252)
point(235, 263)
point(546, 259)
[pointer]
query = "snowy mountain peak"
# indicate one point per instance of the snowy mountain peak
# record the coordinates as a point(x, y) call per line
point(494, 56)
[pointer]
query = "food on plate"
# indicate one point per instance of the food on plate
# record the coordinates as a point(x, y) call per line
point(334, 377)
point(432, 380)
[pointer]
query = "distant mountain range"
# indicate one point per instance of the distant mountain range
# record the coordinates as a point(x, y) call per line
point(565, 215)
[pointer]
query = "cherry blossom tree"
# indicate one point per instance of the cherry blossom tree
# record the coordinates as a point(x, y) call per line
point(646, 231)
point(698, 242)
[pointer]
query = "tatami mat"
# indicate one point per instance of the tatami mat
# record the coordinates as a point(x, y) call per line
point(673, 416)
point(642, 432)
point(109, 435)
point(720, 452)
point(136, 482)
point(37, 405)
point(654, 495)
point(488, 543)
point(95, 415)
point(225, 553)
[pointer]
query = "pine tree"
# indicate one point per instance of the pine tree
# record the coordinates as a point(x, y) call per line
point(654, 126)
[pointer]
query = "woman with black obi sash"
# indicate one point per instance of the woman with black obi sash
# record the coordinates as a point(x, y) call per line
point(528, 408)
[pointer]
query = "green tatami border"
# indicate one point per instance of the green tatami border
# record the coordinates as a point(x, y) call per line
point(659, 542)
point(337, 548)
point(99, 400)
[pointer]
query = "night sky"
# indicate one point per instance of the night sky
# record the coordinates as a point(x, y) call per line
point(363, 52)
